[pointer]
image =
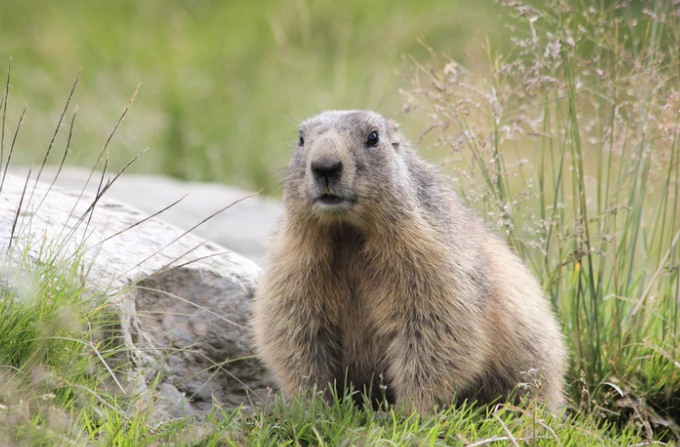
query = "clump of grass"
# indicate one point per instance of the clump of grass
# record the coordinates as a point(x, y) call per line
point(57, 381)
point(51, 353)
point(570, 149)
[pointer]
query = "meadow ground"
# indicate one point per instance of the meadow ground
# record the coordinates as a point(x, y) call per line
point(567, 145)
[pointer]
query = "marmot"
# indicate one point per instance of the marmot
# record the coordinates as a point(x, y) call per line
point(380, 277)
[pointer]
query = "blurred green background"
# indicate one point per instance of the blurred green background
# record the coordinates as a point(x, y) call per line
point(223, 83)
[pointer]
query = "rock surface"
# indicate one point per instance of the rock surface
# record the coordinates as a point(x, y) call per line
point(183, 303)
point(243, 228)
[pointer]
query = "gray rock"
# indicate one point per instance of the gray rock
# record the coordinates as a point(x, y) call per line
point(243, 228)
point(182, 302)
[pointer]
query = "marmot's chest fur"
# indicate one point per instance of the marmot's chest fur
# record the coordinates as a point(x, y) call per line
point(361, 344)
point(377, 271)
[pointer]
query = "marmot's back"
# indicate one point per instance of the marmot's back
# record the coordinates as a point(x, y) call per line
point(379, 273)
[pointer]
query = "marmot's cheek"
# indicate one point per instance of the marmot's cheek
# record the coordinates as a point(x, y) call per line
point(359, 186)
point(347, 183)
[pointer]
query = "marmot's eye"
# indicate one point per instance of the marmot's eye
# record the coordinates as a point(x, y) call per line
point(372, 139)
point(301, 141)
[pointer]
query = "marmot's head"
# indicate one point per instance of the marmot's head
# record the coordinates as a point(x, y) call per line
point(344, 162)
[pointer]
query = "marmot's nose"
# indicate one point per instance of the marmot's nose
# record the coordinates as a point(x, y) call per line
point(327, 168)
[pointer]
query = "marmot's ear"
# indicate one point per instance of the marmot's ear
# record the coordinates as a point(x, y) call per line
point(395, 136)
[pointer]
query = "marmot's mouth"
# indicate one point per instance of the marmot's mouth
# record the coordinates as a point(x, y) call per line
point(329, 197)
point(332, 199)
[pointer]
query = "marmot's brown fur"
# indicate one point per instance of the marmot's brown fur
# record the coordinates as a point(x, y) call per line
point(378, 270)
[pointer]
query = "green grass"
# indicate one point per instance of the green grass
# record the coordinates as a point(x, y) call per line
point(569, 148)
